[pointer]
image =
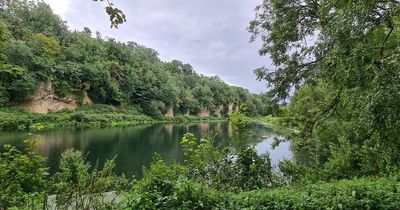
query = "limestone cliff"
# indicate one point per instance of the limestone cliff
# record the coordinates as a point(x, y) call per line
point(86, 100)
point(45, 100)
point(230, 109)
point(170, 112)
point(204, 112)
point(218, 110)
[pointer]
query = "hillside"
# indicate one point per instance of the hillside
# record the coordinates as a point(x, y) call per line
point(45, 67)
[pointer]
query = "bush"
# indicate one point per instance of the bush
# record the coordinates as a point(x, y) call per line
point(23, 177)
point(76, 185)
point(26, 184)
point(166, 187)
point(382, 193)
point(227, 169)
point(79, 117)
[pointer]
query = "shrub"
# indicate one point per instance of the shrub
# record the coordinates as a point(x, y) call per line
point(166, 187)
point(79, 117)
point(382, 193)
point(26, 184)
point(379, 193)
point(23, 177)
point(75, 185)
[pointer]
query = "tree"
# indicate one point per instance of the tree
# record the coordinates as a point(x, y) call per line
point(35, 45)
point(341, 55)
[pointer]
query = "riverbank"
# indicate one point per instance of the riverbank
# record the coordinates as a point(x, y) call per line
point(278, 124)
point(84, 117)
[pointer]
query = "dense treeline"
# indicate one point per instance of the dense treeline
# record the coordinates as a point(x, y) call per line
point(36, 45)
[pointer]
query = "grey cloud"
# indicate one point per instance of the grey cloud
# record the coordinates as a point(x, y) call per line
point(209, 34)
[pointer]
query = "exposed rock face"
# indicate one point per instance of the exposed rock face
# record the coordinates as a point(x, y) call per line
point(86, 100)
point(203, 113)
point(187, 113)
point(45, 101)
point(170, 112)
point(218, 110)
point(230, 109)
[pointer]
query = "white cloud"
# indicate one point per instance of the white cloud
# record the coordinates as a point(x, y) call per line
point(60, 7)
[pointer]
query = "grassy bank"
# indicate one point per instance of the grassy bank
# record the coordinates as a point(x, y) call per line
point(90, 116)
point(279, 124)
point(379, 193)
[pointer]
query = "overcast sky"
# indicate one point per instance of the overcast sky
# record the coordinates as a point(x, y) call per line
point(210, 35)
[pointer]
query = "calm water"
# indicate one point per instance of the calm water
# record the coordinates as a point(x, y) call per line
point(135, 146)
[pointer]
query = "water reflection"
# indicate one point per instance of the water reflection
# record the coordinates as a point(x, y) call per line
point(135, 146)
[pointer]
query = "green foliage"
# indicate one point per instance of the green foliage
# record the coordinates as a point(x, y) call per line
point(76, 184)
point(237, 168)
point(3, 96)
point(340, 57)
point(26, 184)
point(202, 159)
point(35, 45)
point(206, 169)
point(166, 187)
point(348, 194)
point(16, 82)
point(337, 61)
point(23, 177)
point(85, 116)
point(117, 17)
point(241, 127)
point(79, 117)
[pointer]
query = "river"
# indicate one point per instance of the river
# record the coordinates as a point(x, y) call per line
point(135, 146)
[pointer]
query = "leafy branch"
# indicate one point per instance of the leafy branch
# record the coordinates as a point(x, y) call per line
point(117, 17)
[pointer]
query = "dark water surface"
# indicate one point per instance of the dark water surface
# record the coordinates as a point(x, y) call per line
point(135, 146)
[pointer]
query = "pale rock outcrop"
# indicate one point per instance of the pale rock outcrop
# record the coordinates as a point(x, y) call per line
point(204, 112)
point(86, 100)
point(187, 113)
point(218, 110)
point(45, 100)
point(230, 109)
point(170, 112)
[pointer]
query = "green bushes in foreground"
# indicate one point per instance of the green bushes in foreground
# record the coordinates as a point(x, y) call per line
point(26, 184)
point(380, 193)
point(205, 182)
point(165, 187)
